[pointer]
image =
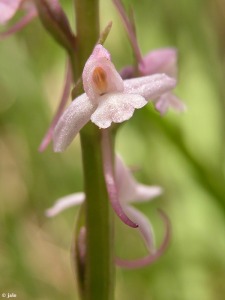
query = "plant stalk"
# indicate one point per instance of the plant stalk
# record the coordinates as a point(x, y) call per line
point(99, 265)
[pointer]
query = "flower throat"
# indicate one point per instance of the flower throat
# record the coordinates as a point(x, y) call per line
point(100, 80)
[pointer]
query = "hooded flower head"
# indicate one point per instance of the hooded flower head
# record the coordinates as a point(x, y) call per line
point(107, 97)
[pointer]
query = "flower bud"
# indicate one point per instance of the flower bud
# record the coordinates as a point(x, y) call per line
point(55, 21)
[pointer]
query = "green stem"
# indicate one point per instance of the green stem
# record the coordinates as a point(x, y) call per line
point(99, 259)
point(99, 267)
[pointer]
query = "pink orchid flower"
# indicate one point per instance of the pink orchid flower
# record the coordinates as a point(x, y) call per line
point(129, 191)
point(107, 97)
point(162, 60)
point(8, 8)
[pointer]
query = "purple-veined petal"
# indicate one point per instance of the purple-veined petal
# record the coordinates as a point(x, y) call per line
point(129, 189)
point(160, 61)
point(169, 100)
point(7, 9)
point(116, 107)
point(65, 95)
point(26, 19)
point(64, 203)
point(151, 258)
point(144, 226)
point(150, 87)
point(99, 74)
point(72, 120)
point(110, 180)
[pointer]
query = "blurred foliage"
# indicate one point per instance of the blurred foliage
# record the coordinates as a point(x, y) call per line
point(183, 153)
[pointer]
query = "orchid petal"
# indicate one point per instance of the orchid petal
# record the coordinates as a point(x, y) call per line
point(73, 119)
point(169, 100)
point(150, 87)
point(145, 193)
point(162, 105)
point(129, 189)
point(64, 203)
point(65, 95)
point(144, 226)
point(116, 107)
point(151, 258)
point(99, 74)
point(160, 61)
point(7, 9)
point(26, 19)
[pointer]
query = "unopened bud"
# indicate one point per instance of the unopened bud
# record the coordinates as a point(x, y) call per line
point(55, 21)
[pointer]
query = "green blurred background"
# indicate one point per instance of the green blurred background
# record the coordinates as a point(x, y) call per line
point(183, 153)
